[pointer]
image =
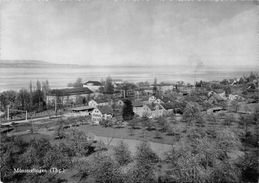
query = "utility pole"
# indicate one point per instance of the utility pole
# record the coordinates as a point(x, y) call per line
point(124, 95)
point(8, 112)
point(56, 105)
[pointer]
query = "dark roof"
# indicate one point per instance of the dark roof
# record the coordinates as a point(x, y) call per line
point(166, 99)
point(69, 91)
point(105, 109)
point(101, 101)
point(82, 108)
point(95, 83)
point(167, 105)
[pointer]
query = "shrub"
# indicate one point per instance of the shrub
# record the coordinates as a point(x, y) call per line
point(103, 169)
point(122, 154)
point(55, 158)
point(145, 155)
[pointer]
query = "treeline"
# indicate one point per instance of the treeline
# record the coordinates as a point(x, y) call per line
point(27, 100)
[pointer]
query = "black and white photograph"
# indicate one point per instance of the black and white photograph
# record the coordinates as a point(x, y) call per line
point(129, 91)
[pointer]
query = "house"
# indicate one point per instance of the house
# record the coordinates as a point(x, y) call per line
point(154, 100)
point(158, 101)
point(67, 95)
point(215, 98)
point(169, 107)
point(154, 110)
point(93, 85)
point(117, 82)
point(138, 108)
point(101, 113)
point(145, 90)
point(165, 87)
point(235, 97)
point(98, 102)
point(80, 111)
point(244, 108)
point(149, 110)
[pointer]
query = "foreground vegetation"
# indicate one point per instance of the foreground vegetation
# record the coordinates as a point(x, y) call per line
point(200, 154)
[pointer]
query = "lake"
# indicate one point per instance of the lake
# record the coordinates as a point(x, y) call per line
point(59, 77)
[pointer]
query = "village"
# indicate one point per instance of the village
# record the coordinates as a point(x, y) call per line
point(153, 100)
point(116, 102)
point(109, 114)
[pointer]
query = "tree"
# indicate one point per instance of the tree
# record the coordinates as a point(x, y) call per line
point(55, 158)
point(122, 154)
point(37, 100)
point(144, 169)
point(162, 124)
point(191, 113)
point(60, 132)
point(133, 123)
point(201, 159)
point(227, 90)
point(8, 98)
point(127, 111)
point(79, 142)
point(103, 169)
point(31, 95)
point(45, 88)
point(108, 87)
point(23, 99)
point(155, 90)
point(78, 83)
point(145, 155)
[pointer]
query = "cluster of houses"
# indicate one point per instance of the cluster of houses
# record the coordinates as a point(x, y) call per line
point(152, 108)
point(147, 105)
point(101, 109)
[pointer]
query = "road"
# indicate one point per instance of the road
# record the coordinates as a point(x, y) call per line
point(28, 121)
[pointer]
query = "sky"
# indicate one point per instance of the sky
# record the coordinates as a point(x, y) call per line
point(130, 32)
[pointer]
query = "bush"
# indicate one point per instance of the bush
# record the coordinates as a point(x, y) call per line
point(55, 158)
point(122, 154)
point(106, 123)
point(79, 142)
point(145, 155)
point(103, 169)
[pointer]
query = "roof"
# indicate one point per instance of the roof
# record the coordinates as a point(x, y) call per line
point(152, 106)
point(143, 88)
point(101, 101)
point(217, 97)
point(96, 83)
point(247, 108)
point(105, 109)
point(69, 91)
point(137, 104)
point(82, 108)
point(167, 105)
point(166, 99)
